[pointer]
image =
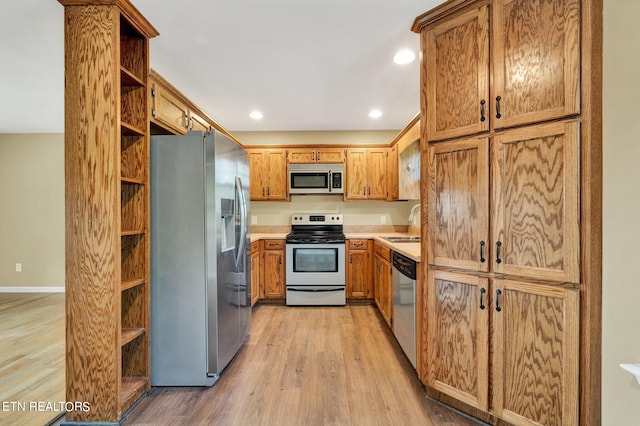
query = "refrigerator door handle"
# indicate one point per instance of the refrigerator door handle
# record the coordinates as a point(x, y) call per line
point(243, 221)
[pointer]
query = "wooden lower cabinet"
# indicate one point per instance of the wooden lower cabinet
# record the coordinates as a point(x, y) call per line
point(273, 263)
point(256, 274)
point(458, 330)
point(533, 373)
point(359, 284)
point(383, 287)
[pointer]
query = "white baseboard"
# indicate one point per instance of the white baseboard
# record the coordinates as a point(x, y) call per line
point(31, 289)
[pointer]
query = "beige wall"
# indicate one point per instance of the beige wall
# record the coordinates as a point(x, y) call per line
point(621, 212)
point(32, 210)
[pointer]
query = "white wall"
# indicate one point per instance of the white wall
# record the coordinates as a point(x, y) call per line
point(32, 210)
point(621, 211)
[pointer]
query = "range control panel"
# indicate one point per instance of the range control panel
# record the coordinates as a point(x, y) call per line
point(316, 219)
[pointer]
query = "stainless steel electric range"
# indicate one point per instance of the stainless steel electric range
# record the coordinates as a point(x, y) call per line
point(315, 260)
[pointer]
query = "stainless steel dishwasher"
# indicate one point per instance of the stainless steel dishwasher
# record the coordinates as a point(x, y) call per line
point(404, 304)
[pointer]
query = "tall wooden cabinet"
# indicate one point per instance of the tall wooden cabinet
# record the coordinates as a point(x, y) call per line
point(511, 189)
point(107, 206)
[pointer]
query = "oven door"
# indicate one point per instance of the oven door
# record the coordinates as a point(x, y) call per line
point(315, 264)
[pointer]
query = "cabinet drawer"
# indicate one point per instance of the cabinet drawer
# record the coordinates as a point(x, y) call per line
point(255, 246)
point(358, 244)
point(382, 251)
point(273, 244)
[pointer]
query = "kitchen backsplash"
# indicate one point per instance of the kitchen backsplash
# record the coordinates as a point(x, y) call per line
point(356, 213)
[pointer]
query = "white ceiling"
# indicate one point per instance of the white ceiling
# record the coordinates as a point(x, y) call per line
point(307, 65)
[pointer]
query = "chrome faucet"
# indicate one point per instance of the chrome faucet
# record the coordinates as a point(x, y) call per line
point(412, 214)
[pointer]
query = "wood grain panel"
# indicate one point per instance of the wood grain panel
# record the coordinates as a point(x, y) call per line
point(358, 273)
point(273, 268)
point(536, 345)
point(458, 355)
point(133, 52)
point(376, 168)
point(330, 155)
point(134, 106)
point(133, 256)
point(537, 60)
point(302, 156)
point(536, 201)
point(256, 165)
point(356, 174)
point(276, 177)
point(457, 75)
point(458, 204)
point(92, 192)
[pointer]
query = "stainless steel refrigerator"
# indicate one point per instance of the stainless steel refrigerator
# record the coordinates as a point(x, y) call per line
point(200, 287)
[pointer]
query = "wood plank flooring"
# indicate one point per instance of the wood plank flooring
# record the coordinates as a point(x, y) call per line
point(31, 356)
point(306, 366)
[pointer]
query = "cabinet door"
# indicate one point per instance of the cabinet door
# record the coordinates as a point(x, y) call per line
point(167, 110)
point(456, 71)
point(458, 336)
point(377, 173)
point(255, 277)
point(536, 353)
point(383, 290)
point(536, 62)
point(356, 174)
point(458, 203)
point(257, 164)
point(393, 180)
point(276, 174)
point(330, 155)
point(273, 274)
point(302, 155)
point(197, 123)
point(536, 226)
point(358, 273)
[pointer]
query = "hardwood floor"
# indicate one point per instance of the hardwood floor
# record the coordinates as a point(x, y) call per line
point(31, 356)
point(306, 366)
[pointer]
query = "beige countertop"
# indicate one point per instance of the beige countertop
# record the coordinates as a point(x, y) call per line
point(411, 250)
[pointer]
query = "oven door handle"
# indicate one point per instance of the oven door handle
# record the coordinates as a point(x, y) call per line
point(315, 290)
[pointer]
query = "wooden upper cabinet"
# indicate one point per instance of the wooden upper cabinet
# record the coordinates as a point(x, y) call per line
point(535, 353)
point(456, 72)
point(458, 204)
point(366, 174)
point(171, 111)
point(536, 63)
point(316, 155)
point(458, 355)
point(534, 60)
point(167, 110)
point(536, 202)
point(268, 174)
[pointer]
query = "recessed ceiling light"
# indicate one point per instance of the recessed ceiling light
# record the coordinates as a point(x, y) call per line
point(404, 56)
point(375, 113)
point(256, 115)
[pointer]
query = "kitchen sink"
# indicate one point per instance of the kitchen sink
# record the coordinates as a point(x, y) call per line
point(402, 239)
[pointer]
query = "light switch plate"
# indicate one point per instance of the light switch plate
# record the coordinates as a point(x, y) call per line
point(254, 220)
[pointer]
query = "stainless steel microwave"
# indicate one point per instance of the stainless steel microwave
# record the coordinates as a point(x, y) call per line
point(316, 178)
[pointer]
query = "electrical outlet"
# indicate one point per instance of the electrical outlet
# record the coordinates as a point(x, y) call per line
point(18, 267)
point(383, 219)
point(254, 220)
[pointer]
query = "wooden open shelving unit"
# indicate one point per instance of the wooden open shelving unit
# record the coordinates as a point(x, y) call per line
point(107, 206)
